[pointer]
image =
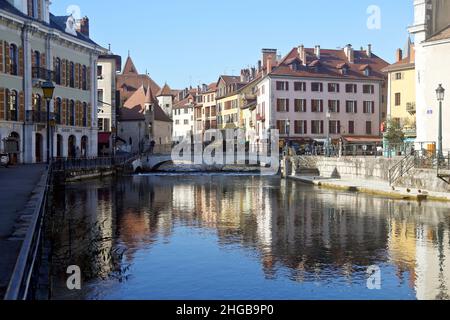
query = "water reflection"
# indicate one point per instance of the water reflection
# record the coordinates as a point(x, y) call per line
point(225, 237)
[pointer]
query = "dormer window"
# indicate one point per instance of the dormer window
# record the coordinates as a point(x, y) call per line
point(367, 72)
point(366, 69)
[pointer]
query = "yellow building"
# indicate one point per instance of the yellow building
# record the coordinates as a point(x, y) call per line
point(227, 98)
point(402, 91)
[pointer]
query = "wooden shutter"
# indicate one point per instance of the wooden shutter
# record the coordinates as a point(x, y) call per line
point(339, 106)
point(305, 123)
point(43, 61)
point(88, 76)
point(68, 71)
point(7, 58)
point(64, 112)
point(2, 103)
point(39, 9)
point(321, 105)
point(21, 62)
point(89, 116)
point(2, 55)
point(63, 72)
point(21, 106)
point(77, 75)
point(30, 8)
point(287, 101)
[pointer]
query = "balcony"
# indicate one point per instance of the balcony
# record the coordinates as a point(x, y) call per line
point(43, 74)
point(411, 108)
point(41, 117)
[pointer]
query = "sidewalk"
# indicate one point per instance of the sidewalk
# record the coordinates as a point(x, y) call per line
point(373, 187)
point(16, 187)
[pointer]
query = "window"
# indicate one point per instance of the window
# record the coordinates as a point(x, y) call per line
point(369, 127)
point(334, 106)
point(14, 60)
point(100, 125)
point(13, 110)
point(300, 105)
point(283, 126)
point(301, 127)
point(300, 86)
point(351, 88)
point(333, 87)
point(36, 59)
point(335, 127)
point(317, 127)
point(85, 114)
point(351, 127)
point(316, 87)
point(84, 78)
point(282, 86)
point(186, 122)
point(100, 72)
point(351, 107)
point(37, 103)
point(316, 105)
point(72, 75)
point(369, 107)
point(177, 122)
point(100, 97)
point(398, 99)
point(72, 113)
point(398, 76)
point(369, 89)
point(283, 105)
point(58, 71)
point(58, 110)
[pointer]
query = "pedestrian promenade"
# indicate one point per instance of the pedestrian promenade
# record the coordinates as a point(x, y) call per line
point(373, 187)
point(16, 189)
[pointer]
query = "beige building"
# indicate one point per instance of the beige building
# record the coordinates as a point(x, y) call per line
point(205, 111)
point(402, 91)
point(36, 46)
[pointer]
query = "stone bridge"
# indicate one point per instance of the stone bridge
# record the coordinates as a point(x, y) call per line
point(150, 162)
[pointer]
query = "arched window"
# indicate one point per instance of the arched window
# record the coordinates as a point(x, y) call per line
point(58, 110)
point(84, 78)
point(13, 108)
point(37, 108)
point(72, 113)
point(72, 75)
point(14, 59)
point(58, 71)
point(36, 63)
point(85, 114)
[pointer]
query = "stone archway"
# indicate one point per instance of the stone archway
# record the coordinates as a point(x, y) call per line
point(13, 148)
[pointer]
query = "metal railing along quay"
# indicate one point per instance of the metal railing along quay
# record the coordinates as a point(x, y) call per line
point(67, 164)
point(26, 270)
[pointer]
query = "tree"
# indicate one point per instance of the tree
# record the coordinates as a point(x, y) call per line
point(394, 134)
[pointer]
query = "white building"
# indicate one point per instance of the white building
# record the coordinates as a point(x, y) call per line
point(36, 46)
point(108, 66)
point(165, 98)
point(432, 38)
point(183, 115)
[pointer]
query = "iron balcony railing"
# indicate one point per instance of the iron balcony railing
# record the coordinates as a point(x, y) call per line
point(43, 74)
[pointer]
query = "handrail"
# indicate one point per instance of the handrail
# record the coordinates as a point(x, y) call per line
point(19, 284)
point(401, 168)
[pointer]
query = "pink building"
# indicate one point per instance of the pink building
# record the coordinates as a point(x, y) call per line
point(313, 93)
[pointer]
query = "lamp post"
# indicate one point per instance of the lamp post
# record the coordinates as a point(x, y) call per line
point(48, 89)
point(440, 92)
point(328, 134)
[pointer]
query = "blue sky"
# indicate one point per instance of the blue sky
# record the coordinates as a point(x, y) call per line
point(190, 42)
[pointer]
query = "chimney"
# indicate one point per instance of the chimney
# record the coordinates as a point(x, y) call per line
point(269, 65)
point(349, 53)
point(259, 65)
point(369, 50)
point(399, 55)
point(83, 26)
point(302, 54)
point(317, 52)
point(266, 53)
point(412, 54)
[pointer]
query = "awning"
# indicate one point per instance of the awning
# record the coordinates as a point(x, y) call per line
point(362, 140)
point(103, 137)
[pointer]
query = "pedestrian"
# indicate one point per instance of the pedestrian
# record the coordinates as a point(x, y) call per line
point(152, 146)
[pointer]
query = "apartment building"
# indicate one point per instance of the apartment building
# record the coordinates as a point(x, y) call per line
point(205, 111)
point(108, 101)
point(36, 46)
point(313, 93)
point(183, 114)
point(402, 91)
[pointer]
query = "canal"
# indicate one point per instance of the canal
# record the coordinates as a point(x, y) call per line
point(243, 237)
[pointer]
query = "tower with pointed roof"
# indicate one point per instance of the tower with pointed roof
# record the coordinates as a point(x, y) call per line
point(165, 98)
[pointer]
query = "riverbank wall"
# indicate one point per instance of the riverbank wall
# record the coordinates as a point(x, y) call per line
point(376, 170)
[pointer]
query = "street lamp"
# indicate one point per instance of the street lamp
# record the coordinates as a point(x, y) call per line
point(440, 92)
point(48, 89)
point(328, 133)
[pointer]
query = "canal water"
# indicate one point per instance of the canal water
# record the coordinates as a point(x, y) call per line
point(244, 237)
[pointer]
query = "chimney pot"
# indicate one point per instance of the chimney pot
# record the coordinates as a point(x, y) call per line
point(369, 50)
point(399, 55)
point(317, 52)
